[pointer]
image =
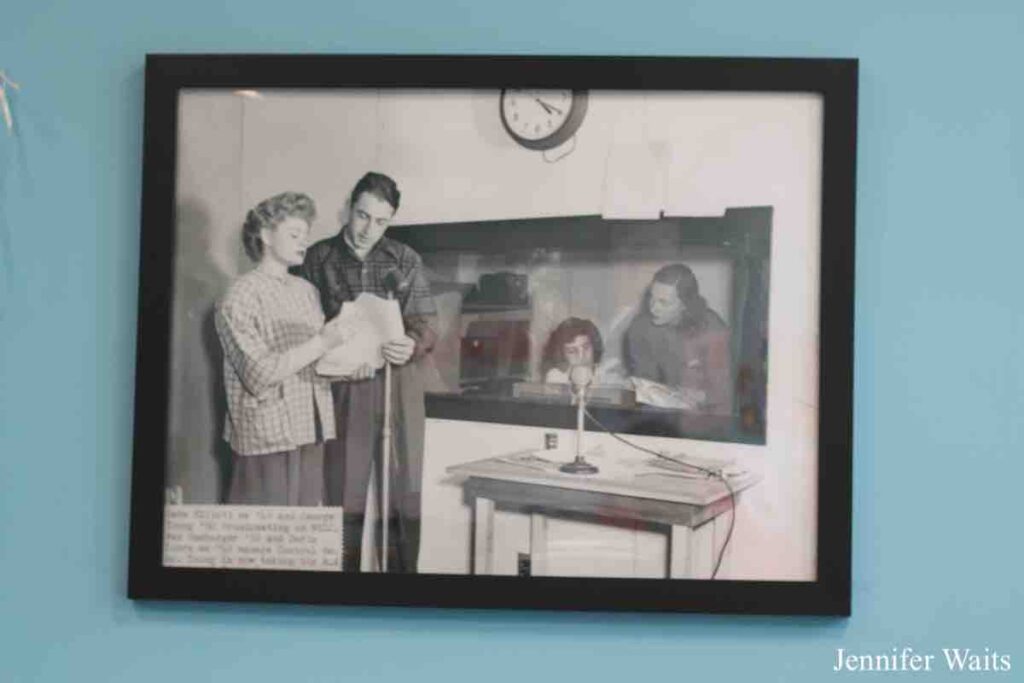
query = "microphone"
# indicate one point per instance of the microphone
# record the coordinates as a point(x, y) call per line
point(395, 285)
point(580, 376)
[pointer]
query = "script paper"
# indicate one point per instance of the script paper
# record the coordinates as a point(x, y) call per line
point(375, 321)
point(253, 537)
point(655, 394)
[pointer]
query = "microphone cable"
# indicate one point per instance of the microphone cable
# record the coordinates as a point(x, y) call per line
point(712, 474)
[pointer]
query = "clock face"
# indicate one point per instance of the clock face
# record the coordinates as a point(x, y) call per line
point(541, 119)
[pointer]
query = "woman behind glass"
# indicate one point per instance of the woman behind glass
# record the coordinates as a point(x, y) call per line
point(576, 341)
point(678, 341)
point(271, 328)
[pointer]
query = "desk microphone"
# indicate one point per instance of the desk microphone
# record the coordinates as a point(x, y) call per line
point(580, 376)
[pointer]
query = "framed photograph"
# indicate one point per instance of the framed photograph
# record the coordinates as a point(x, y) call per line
point(496, 331)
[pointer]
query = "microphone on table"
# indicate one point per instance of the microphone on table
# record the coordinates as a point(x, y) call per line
point(580, 377)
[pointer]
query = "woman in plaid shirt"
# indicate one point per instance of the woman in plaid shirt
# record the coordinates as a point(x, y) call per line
point(271, 327)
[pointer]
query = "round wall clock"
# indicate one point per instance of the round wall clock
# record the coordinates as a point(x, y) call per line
point(542, 119)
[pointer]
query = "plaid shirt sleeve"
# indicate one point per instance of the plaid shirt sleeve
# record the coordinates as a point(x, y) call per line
point(237, 326)
point(419, 301)
point(419, 309)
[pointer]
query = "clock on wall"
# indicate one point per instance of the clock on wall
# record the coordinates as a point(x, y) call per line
point(542, 119)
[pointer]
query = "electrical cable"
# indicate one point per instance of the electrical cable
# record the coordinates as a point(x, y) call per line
point(714, 474)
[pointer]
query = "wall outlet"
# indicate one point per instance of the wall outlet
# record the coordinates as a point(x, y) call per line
point(523, 564)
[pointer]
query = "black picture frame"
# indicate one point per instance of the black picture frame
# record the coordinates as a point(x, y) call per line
point(834, 80)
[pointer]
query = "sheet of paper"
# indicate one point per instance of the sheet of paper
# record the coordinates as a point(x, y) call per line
point(655, 394)
point(253, 537)
point(376, 321)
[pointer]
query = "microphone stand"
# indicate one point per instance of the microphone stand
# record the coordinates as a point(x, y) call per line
point(385, 512)
point(579, 465)
point(396, 289)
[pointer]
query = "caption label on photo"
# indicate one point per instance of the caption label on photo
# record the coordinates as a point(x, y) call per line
point(252, 537)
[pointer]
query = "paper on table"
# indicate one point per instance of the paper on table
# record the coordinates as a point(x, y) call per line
point(375, 321)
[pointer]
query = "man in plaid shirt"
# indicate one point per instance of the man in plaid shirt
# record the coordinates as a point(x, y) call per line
point(360, 259)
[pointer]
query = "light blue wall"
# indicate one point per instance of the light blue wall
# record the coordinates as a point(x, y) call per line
point(939, 376)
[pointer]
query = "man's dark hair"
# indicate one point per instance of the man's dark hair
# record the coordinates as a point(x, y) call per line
point(380, 186)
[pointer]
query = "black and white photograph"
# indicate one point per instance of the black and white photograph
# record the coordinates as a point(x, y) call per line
point(552, 341)
point(515, 331)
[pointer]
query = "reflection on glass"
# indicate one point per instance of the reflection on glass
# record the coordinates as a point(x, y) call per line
point(670, 315)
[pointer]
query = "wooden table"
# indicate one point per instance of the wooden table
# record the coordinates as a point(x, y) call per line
point(629, 487)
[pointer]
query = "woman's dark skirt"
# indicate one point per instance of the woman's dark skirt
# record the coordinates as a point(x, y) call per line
point(294, 477)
